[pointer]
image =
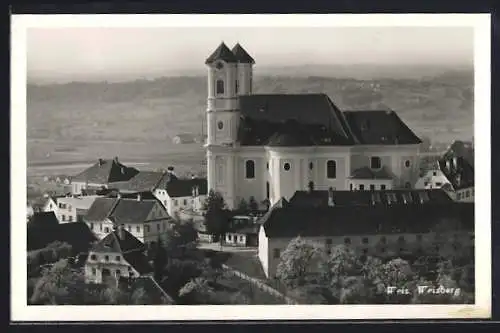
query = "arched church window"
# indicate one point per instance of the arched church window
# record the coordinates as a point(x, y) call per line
point(220, 87)
point(331, 169)
point(236, 86)
point(250, 169)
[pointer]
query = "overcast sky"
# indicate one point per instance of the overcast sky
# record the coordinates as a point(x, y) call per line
point(107, 53)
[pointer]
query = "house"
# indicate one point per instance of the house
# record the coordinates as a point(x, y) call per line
point(100, 175)
point(460, 174)
point(269, 146)
point(433, 178)
point(382, 227)
point(243, 231)
point(184, 138)
point(118, 254)
point(145, 218)
point(182, 195)
point(71, 208)
point(45, 229)
point(463, 149)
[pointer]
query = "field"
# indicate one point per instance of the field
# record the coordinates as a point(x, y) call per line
point(80, 122)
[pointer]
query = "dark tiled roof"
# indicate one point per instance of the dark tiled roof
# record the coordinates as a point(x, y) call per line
point(139, 261)
point(100, 209)
point(222, 53)
point(143, 181)
point(460, 175)
point(380, 128)
point(106, 171)
point(314, 114)
point(365, 198)
point(113, 243)
point(368, 173)
point(184, 187)
point(77, 234)
point(129, 211)
point(169, 176)
point(461, 149)
point(43, 220)
point(241, 55)
point(364, 220)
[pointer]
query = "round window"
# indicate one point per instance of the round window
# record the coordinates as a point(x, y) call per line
point(407, 163)
point(286, 166)
point(220, 125)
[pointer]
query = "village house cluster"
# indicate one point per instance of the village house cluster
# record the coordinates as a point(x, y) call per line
point(315, 171)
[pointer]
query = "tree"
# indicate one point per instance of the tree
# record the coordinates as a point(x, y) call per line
point(243, 206)
point(181, 238)
point(159, 260)
point(59, 285)
point(196, 291)
point(216, 216)
point(297, 262)
point(140, 297)
point(399, 281)
point(252, 204)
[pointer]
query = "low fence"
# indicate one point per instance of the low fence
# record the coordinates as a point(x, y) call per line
point(261, 285)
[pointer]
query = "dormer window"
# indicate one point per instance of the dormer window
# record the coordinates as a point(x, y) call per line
point(219, 65)
point(391, 198)
point(407, 198)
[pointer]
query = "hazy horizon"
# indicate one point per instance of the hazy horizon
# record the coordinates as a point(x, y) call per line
point(115, 54)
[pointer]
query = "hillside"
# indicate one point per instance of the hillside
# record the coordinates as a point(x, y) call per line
point(440, 107)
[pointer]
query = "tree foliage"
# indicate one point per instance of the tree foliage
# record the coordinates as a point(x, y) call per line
point(216, 216)
point(297, 262)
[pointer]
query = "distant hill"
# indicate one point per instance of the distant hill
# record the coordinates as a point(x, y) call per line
point(436, 105)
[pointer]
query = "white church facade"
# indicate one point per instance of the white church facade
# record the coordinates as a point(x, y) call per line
point(268, 146)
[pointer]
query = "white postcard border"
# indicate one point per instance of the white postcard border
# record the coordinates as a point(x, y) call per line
point(20, 311)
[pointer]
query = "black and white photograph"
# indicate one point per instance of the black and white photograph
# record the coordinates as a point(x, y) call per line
point(304, 162)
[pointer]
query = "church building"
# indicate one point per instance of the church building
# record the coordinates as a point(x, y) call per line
point(268, 146)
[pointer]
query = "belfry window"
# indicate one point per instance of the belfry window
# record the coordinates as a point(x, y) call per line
point(250, 169)
point(331, 169)
point(376, 162)
point(220, 87)
point(236, 86)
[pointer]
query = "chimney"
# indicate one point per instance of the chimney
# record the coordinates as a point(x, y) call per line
point(448, 166)
point(197, 191)
point(193, 192)
point(139, 197)
point(331, 202)
point(455, 163)
point(193, 176)
point(123, 170)
point(121, 231)
point(100, 161)
point(170, 170)
point(119, 195)
point(115, 159)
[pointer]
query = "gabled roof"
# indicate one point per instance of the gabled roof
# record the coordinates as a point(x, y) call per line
point(370, 198)
point(100, 209)
point(121, 210)
point(241, 55)
point(458, 172)
point(79, 202)
point(314, 115)
point(463, 149)
point(335, 221)
point(222, 53)
point(130, 211)
point(380, 128)
point(368, 173)
point(106, 171)
point(113, 243)
point(184, 187)
point(43, 220)
point(139, 261)
point(77, 234)
point(142, 181)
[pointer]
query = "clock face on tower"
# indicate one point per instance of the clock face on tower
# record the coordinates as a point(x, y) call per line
point(219, 65)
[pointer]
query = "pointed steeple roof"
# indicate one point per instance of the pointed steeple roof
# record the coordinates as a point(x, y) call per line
point(241, 55)
point(221, 53)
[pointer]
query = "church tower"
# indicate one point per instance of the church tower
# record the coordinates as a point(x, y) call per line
point(229, 75)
